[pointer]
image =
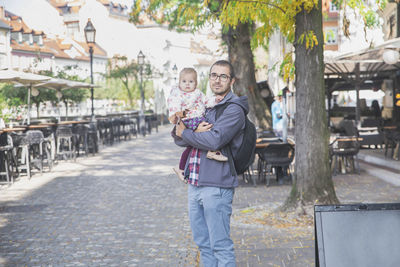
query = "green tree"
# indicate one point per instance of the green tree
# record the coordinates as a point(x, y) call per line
point(301, 23)
point(127, 73)
point(12, 97)
point(18, 95)
point(191, 16)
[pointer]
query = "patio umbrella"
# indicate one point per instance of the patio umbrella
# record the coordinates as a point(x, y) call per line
point(62, 84)
point(25, 78)
point(58, 85)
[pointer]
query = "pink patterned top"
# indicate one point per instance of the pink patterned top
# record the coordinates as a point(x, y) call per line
point(196, 102)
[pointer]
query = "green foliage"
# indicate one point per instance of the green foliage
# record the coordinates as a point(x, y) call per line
point(123, 79)
point(11, 101)
point(367, 9)
point(16, 97)
point(269, 15)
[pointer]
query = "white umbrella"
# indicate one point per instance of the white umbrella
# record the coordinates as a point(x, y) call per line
point(58, 85)
point(25, 78)
point(62, 84)
point(55, 83)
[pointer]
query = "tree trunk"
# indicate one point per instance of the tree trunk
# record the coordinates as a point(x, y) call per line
point(241, 57)
point(130, 98)
point(313, 175)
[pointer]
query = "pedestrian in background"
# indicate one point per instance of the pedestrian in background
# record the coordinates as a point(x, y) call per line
point(277, 115)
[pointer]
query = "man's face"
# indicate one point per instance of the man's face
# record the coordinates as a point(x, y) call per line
point(220, 80)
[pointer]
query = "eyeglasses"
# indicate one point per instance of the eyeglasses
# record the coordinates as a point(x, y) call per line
point(223, 77)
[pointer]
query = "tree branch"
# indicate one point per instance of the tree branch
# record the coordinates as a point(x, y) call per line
point(262, 2)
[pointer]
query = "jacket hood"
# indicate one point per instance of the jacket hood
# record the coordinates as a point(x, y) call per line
point(240, 100)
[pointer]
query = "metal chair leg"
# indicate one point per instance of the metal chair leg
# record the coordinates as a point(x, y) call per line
point(268, 173)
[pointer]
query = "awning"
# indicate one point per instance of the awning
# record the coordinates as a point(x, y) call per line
point(364, 69)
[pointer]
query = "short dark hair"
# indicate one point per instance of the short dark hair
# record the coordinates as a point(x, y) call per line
point(225, 63)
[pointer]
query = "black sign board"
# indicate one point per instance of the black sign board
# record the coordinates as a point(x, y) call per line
point(357, 235)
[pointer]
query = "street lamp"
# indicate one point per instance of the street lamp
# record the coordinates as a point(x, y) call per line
point(390, 56)
point(140, 61)
point(175, 71)
point(90, 36)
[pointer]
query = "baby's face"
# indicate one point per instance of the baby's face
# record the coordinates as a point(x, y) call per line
point(187, 82)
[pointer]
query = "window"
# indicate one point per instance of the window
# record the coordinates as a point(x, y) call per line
point(330, 35)
point(72, 28)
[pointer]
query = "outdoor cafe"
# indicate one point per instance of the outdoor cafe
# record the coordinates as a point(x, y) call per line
point(37, 144)
point(373, 121)
point(369, 78)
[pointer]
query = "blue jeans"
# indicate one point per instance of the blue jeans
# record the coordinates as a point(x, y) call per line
point(210, 210)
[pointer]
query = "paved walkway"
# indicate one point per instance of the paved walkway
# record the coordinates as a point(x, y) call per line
point(125, 207)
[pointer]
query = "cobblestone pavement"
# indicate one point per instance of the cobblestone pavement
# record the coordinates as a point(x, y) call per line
point(125, 207)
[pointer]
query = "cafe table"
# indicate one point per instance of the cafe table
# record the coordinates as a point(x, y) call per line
point(72, 122)
point(9, 130)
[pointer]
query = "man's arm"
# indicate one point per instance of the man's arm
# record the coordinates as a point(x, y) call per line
point(225, 128)
point(177, 138)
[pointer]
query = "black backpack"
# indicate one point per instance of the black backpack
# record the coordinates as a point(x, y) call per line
point(245, 155)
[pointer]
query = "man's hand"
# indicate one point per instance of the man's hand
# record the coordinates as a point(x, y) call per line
point(203, 127)
point(180, 128)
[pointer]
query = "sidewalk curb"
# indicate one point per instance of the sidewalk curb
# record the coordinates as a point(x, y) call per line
point(379, 161)
point(387, 176)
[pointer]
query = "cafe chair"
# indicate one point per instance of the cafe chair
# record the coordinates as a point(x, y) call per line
point(391, 140)
point(116, 127)
point(108, 132)
point(37, 151)
point(49, 147)
point(132, 127)
point(65, 142)
point(275, 155)
point(93, 138)
point(21, 152)
point(8, 162)
point(125, 131)
point(344, 150)
point(81, 139)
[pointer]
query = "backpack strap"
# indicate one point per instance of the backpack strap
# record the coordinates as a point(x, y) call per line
point(219, 110)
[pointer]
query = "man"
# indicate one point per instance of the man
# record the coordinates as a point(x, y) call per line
point(277, 115)
point(212, 183)
point(279, 125)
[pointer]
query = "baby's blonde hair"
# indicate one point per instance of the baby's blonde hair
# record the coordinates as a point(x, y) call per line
point(188, 71)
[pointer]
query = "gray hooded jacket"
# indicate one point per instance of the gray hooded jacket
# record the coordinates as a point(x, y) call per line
point(229, 127)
